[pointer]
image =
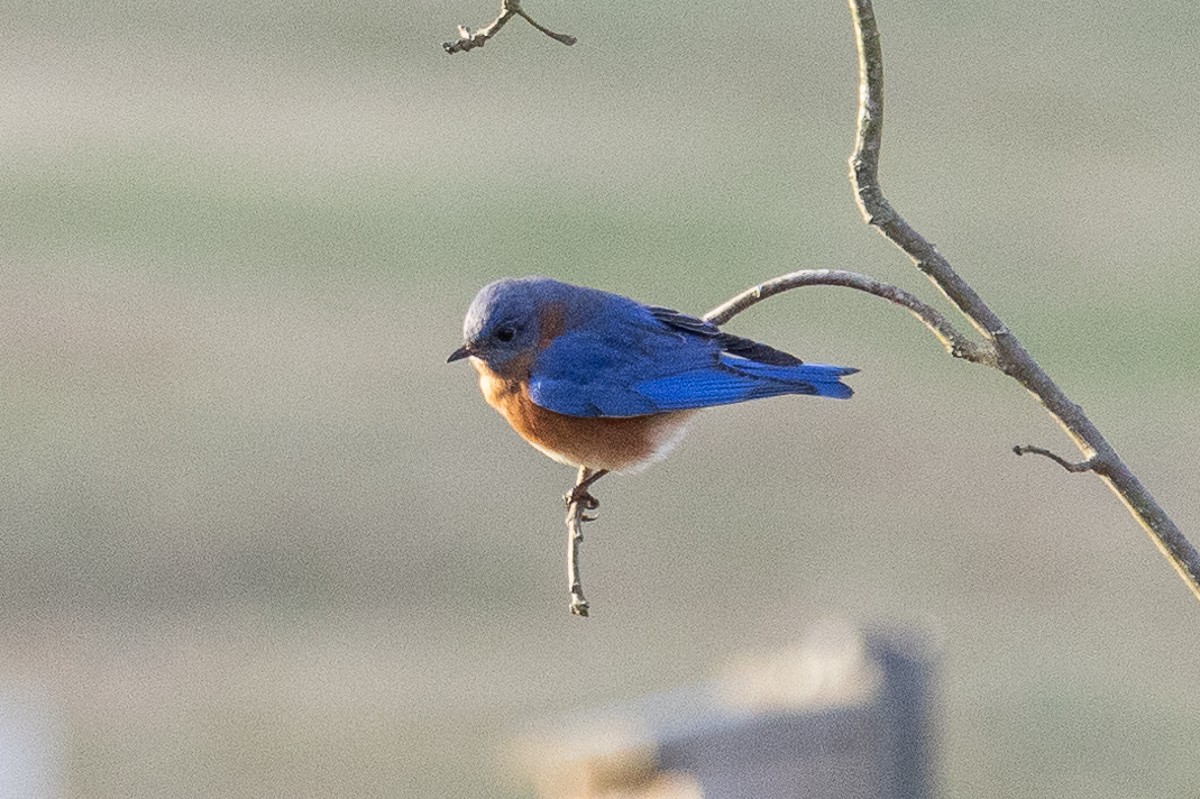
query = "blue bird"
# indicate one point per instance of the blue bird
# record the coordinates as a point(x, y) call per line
point(604, 383)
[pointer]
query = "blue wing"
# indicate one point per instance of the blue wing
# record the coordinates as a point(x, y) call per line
point(663, 361)
point(589, 374)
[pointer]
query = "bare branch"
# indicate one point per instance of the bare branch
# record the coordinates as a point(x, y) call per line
point(1000, 349)
point(1071, 466)
point(1012, 357)
point(955, 343)
point(468, 41)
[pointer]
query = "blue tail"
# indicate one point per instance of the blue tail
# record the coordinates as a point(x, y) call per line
point(818, 379)
point(735, 379)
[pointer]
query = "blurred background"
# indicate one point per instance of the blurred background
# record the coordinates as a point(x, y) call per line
point(259, 539)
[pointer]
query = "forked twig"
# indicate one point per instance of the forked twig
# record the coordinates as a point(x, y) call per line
point(468, 41)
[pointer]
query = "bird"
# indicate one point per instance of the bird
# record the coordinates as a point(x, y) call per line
point(604, 383)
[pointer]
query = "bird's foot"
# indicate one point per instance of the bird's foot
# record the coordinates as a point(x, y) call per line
point(579, 495)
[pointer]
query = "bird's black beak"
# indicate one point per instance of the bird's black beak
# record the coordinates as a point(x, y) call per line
point(459, 354)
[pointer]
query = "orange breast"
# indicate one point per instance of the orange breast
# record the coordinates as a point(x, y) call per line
point(617, 444)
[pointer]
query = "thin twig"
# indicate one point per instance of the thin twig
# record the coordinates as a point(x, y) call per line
point(468, 41)
point(1012, 358)
point(955, 342)
point(578, 500)
point(565, 38)
point(1071, 466)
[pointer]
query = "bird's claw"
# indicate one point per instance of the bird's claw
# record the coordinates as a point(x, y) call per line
point(579, 495)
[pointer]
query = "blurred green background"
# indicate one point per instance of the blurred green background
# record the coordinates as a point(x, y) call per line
point(260, 540)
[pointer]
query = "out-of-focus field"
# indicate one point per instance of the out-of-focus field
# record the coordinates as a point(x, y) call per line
point(259, 540)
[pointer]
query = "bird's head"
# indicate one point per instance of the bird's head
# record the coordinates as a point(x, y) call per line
point(502, 322)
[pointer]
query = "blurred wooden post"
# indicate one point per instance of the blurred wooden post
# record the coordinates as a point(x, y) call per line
point(32, 745)
point(845, 715)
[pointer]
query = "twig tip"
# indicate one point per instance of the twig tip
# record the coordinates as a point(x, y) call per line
point(1074, 467)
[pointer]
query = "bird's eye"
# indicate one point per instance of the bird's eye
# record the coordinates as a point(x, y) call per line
point(505, 334)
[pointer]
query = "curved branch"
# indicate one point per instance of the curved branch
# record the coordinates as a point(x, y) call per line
point(1013, 359)
point(954, 342)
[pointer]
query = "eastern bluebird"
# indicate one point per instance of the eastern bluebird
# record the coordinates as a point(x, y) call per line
point(604, 383)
